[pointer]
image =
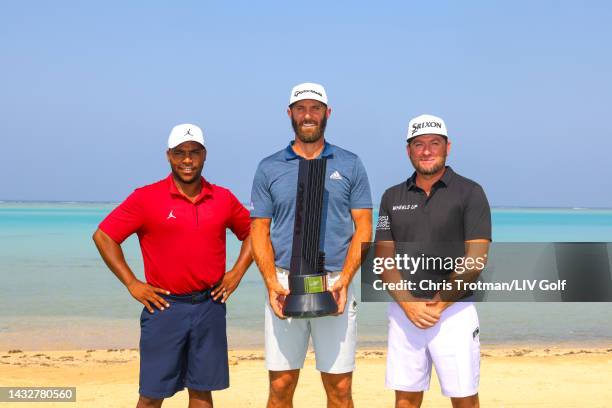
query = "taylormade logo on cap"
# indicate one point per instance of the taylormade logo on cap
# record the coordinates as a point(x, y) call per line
point(185, 132)
point(426, 125)
point(308, 90)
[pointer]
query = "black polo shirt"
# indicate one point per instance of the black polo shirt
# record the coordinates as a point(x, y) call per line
point(455, 211)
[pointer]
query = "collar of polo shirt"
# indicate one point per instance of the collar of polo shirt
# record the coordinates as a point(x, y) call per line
point(445, 179)
point(206, 188)
point(328, 151)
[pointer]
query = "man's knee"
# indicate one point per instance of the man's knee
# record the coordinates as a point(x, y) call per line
point(404, 399)
point(466, 402)
point(146, 402)
point(338, 386)
point(282, 384)
point(205, 396)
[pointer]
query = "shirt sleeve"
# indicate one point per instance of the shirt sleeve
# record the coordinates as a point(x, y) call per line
point(239, 220)
point(477, 215)
point(124, 220)
point(383, 225)
point(361, 197)
point(261, 198)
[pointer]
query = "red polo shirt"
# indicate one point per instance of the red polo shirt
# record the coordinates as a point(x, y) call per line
point(182, 243)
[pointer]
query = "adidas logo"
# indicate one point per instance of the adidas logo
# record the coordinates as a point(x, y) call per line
point(335, 176)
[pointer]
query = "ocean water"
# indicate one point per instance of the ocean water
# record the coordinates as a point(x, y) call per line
point(56, 293)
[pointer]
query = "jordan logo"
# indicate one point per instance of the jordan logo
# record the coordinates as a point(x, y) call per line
point(188, 133)
point(171, 215)
point(335, 176)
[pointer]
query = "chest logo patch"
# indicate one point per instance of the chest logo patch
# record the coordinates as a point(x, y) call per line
point(383, 223)
point(171, 215)
point(404, 207)
point(335, 176)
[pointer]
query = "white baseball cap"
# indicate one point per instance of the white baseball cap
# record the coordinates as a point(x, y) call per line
point(185, 132)
point(426, 125)
point(308, 90)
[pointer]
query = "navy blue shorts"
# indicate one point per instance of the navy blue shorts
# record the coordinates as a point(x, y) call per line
point(183, 346)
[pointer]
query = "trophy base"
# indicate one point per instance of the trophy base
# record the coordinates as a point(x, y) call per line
point(310, 305)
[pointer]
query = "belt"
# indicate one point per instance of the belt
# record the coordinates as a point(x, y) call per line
point(193, 297)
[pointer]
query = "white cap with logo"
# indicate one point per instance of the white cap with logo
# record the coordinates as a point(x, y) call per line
point(185, 132)
point(308, 90)
point(426, 125)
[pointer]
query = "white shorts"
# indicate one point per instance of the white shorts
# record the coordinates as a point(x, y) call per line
point(334, 338)
point(452, 345)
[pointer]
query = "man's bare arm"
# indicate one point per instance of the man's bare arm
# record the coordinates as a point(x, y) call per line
point(477, 249)
point(231, 279)
point(112, 254)
point(263, 252)
point(262, 248)
point(362, 218)
point(414, 308)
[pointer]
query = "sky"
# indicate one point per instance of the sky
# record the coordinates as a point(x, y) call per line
point(90, 91)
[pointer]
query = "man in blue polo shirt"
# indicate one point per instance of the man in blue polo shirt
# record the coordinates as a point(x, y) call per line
point(347, 222)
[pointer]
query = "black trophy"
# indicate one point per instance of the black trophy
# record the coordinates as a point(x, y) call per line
point(309, 296)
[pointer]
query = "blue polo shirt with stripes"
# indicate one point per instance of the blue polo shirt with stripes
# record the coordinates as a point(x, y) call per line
point(274, 193)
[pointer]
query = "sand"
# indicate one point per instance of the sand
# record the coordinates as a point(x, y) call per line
point(510, 377)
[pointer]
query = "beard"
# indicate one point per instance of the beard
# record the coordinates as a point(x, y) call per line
point(309, 137)
point(194, 178)
point(429, 171)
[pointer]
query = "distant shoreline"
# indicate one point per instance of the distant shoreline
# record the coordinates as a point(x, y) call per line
point(495, 207)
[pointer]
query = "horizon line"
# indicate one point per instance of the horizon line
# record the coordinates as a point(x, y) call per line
point(498, 207)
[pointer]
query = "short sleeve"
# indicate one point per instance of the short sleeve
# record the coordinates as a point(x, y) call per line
point(383, 225)
point(239, 220)
point(361, 197)
point(477, 215)
point(124, 220)
point(261, 199)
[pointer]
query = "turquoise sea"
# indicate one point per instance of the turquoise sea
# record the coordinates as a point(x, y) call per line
point(56, 293)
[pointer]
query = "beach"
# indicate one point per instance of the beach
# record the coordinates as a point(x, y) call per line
point(75, 325)
point(518, 376)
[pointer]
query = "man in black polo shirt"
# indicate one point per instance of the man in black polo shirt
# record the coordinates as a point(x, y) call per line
point(435, 207)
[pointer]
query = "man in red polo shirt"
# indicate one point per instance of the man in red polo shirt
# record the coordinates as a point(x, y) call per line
point(181, 224)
